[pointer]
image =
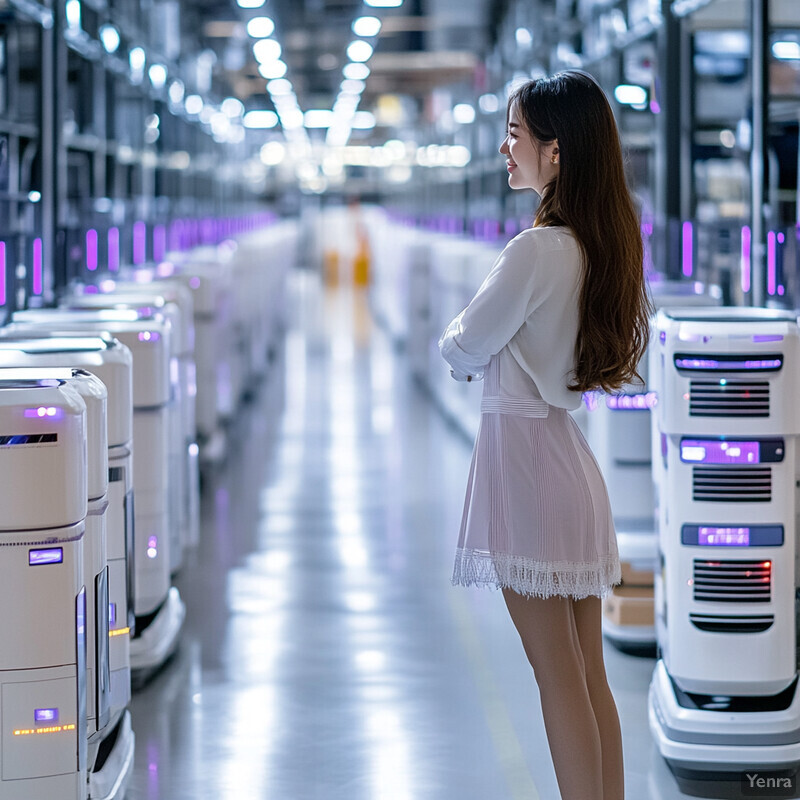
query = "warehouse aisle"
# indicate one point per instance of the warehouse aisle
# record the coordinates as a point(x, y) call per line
point(326, 656)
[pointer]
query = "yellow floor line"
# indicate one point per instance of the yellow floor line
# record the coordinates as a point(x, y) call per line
point(504, 737)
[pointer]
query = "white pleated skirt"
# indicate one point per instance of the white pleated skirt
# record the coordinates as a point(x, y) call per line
point(537, 518)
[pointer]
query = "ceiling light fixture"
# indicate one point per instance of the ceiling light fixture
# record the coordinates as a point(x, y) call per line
point(363, 120)
point(260, 119)
point(786, 51)
point(356, 71)
point(250, 3)
point(193, 104)
point(631, 95)
point(359, 50)
point(232, 107)
point(266, 50)
point(158, 76)
point(280, 86)
point(352, 87)
point(384, 3)
point(318, 118)
point(260, 27)
point(366, 26)
point(272, 69)
point(176, 91)
point(463, 113)
point(109, 36)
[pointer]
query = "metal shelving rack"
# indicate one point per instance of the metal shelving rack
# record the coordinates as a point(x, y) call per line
point(91, 148)
point(654, 42)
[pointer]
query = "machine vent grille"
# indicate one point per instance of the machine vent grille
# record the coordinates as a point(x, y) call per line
point(724, 623)
point(28, 438)
point(732, 581)
point(729, 399)
point(732, 484)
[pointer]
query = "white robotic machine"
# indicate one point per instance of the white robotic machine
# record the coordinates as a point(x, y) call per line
point(43, 491)
point(158, 608)
point(172, 292)
point(724, 697)
point(111, 362)
point(183, 473)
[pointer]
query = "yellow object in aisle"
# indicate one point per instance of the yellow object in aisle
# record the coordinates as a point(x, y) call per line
point(361, 262)
point(330, 263)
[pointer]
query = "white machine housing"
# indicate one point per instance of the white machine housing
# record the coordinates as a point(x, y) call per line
point(173, 292)
point(95, 564)
point(158, 608)
point(727, 422)
point(112, 363)
point(43, 492)
point(183, 498)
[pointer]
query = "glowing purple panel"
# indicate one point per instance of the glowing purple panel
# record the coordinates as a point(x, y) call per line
point(53, 555)
point(2, 273)
point(623, 402)
point(767, 337)
point(44, 412)
point(725, 537)
point(688, 253)
point(113, 249)
point(772, 263)
point(149, 336)
point(713, 451)
point(112, 614)
point(139, 242)
point(38, 267)
point(159, 242)
point(45, 716)
point(91, 250)
point(745, 258)
point(711, 363)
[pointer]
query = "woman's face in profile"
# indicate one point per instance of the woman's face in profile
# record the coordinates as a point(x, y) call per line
point(528, 168)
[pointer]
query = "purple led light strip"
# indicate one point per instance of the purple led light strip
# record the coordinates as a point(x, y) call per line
point(139, 242)
point(745, 259)
point(91, 249)
point(687, 249)
point(2, 273)
point(113, 249)
point(642, 401)
point(772, 263)
point(38, 273)
point(159, 242)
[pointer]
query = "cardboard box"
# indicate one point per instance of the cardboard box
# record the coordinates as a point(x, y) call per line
point(630, 606)
point(635, 577)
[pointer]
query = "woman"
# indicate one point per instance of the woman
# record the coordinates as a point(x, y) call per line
point(564, 310)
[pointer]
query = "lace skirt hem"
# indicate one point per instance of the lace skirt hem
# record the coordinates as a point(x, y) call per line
point(533, 578)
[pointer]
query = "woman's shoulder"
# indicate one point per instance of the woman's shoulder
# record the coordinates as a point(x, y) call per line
point(545, 239)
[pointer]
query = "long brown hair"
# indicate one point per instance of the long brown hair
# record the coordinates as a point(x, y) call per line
point(591, 197)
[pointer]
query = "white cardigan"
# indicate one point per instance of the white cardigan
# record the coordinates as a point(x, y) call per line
point(526, 314)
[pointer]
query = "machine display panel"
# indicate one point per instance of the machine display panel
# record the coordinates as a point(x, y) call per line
point(732, 535)
point(51, 555)
point(728, 362)
point(723, 451)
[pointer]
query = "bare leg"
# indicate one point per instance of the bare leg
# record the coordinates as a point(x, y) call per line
point(587, 614)
point(549, 636)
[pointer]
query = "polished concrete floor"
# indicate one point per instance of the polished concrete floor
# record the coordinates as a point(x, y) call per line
point(326, 655)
